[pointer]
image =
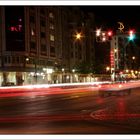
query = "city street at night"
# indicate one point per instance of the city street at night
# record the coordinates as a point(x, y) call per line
point(74, 110)
point(69, 69)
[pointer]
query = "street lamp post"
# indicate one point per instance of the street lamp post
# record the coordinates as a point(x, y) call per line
point(63, 70)
point(35, 71)
point(73, 72)
point(133, 61)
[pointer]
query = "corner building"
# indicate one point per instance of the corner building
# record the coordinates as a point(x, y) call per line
point(34, 44)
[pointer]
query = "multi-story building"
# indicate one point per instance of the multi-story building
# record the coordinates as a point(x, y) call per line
point(124, 54)
point(82, 49)
point(35, 42)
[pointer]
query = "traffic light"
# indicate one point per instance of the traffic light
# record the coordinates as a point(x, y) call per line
point(131, 35)
point(98, 35)
point(109, 34)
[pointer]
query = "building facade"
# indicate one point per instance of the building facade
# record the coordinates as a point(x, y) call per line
point(124, 56)
point(36, 45)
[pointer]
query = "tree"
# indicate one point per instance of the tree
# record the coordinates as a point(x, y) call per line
point(83, 68)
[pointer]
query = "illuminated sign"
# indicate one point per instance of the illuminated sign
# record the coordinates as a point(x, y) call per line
point(121, 27)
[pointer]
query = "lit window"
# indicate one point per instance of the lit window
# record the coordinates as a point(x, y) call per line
point(51, 26)
point(32, 32)
point(51, 15)
point(52, 37)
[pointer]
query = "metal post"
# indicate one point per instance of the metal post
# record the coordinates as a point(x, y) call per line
point(35, 71)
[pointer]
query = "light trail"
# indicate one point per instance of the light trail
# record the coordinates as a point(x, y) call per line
point(34, 90)
point(55, 85)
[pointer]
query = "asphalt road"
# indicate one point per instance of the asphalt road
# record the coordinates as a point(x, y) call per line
point(73, 113)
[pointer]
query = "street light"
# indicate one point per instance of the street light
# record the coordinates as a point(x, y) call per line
point(133, 57)
point(73, 71)
point(63, 70)
point(98, 32)
point(127, 70)
point(107, 68)
point(78, 36)
point(27, 59)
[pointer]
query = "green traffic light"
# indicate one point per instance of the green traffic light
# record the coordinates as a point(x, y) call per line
point(131, 37)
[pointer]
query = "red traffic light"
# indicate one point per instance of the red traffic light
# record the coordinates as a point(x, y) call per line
point(109, 33)
point(131, 32)
point(131, 35)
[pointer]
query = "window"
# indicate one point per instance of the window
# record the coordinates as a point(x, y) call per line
point(13, 60)
point(72, 54)
point(51, 15)
point(43, 47)
point(9, 59)
point(32, 45)
point(43, 35)
point(32, 7)
point(42, 22)
point(52, 37)
point(5, 59)
point(32, 19)
point(32, 32)
point(42, 11)
point(17, 60)
point(51, 26)
point(52, 50)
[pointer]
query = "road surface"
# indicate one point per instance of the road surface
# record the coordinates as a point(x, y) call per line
point(69, 111)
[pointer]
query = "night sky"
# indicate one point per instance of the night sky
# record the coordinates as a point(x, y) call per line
point(108, 16)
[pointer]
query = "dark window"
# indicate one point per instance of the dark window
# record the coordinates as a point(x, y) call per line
point(13, 59)
point(43, 47)
point(52, 50)
point(5, 59)
point(9, 59)
point(32, 45)
point(43, 35)
point(42, 11)
point(32, 19)
point(72, 54)
point(17, 59)
point(32, 7)
point(42, 22)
